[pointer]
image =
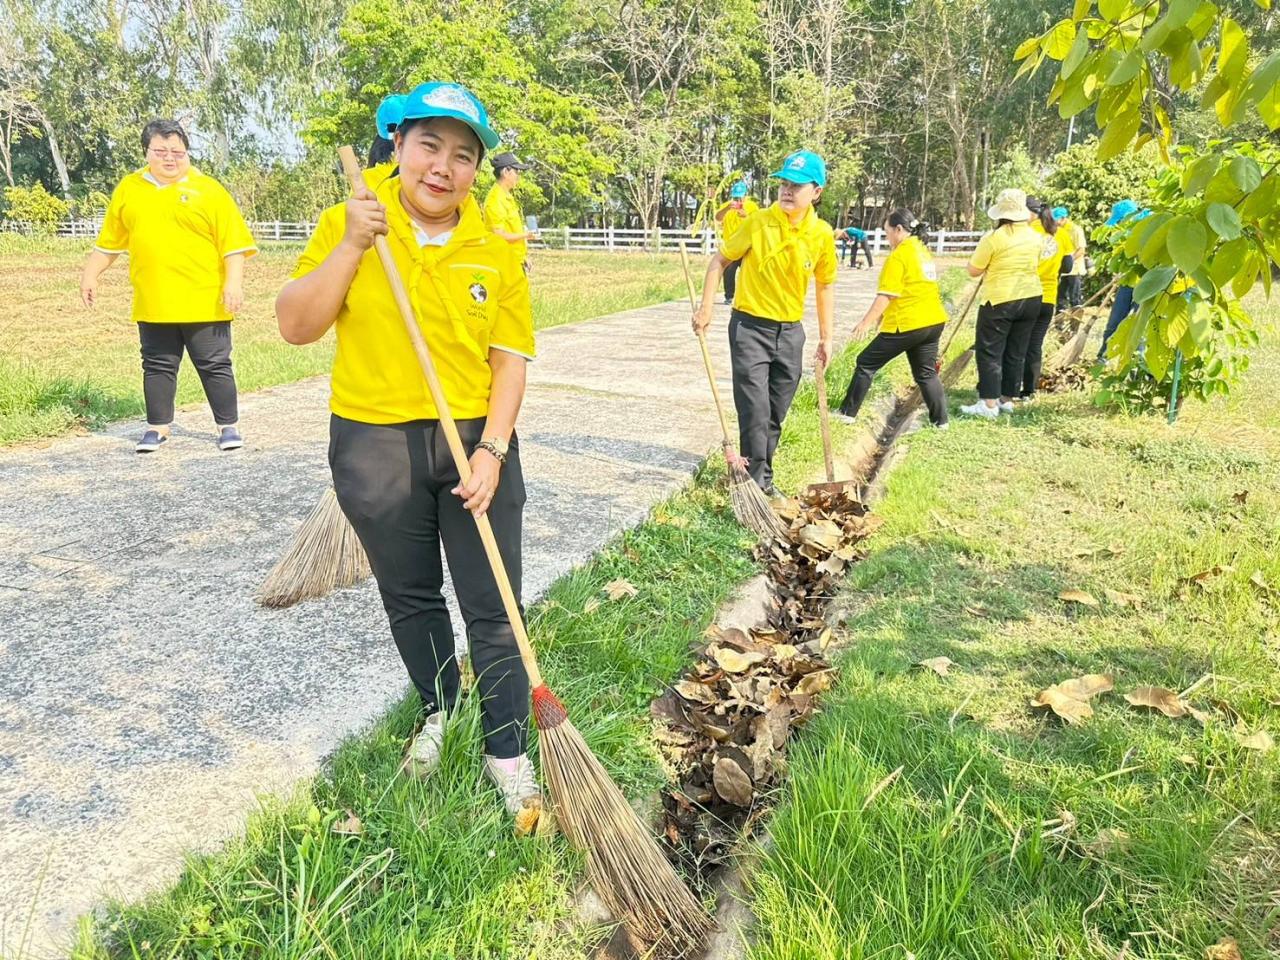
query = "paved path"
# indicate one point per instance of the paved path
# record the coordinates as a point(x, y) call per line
point(145, 699)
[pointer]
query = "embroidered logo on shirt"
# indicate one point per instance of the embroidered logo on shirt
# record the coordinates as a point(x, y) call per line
point(478, 292)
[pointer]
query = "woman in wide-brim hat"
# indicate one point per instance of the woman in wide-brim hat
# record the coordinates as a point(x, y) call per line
point(392, 470)
point(1007, 259)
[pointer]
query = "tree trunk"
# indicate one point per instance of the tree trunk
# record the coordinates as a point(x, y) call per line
point(55, 153)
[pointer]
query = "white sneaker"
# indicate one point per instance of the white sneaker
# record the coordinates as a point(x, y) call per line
point(424, 752)
point(517, 788)
point(842, 417)
point(980, 409)
point(1006, 406)
point(942, 426)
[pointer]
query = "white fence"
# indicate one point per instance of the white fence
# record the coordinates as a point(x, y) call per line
point(612, 239)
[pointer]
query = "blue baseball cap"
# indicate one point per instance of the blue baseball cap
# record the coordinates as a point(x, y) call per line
point(390, 113)
point(1121, 210)
point(738, 190)
point(1061, 213)
point(803, 166)
point(437, 99)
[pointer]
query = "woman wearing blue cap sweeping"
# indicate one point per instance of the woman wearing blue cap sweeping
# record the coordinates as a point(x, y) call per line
point(780, 247)
point(730, 217)
point(392, 470)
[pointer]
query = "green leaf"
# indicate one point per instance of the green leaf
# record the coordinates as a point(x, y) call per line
point(1127, 69)
point(1075, 99)
point(1179, 12)
point(1177, 318)
point(1081, 9)
point(1118, 134)
point(1075, 56)
point(1222, 188)
point(1186, 64)
point(1154, 282)
point(1228, 260)
point(1154, 252)
point(1245, 173)
point(1263, 200)
point(1141, 231)
point(1261, 86)
point(1224, 220)
point(1200, 328)
point(1158, 355)
point(1059, 40)
point(1197, 173)
point(1248, 275)
point(1113, 11)
point(1026, 48)
point(1233, 53)
point(1130, 333)
point(1187, 242)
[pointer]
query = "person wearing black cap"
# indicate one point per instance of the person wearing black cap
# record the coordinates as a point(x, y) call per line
point(502, 212)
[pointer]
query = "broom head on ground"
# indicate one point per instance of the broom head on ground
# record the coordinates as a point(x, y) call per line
point(323, 555)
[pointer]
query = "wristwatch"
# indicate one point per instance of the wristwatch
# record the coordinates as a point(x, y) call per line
point(496, 446)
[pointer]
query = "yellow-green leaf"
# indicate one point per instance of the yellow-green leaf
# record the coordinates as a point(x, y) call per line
point(1158, 355)
point(1075, 56)
point(1153, 282)
point(1026, 48)
point(1118, 134)
point(1197, 174)
point(1245, 173)
point(1200, 328)
point(1224, 220)
point(1081, 9)
point(1177, 318)
point(1228, 260)
point(1115, 11)
point(1059, 39)
point(1248, 275)
point(1075, 99)
point(1154, 252)
point(1127, 69)
point(1233, 53)
point(1187, 242)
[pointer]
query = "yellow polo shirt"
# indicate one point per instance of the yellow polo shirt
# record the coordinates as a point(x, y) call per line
point(778, 258)
point(375, 175)
point(470, 295)
point(1053, 250)
point(1076, 235)
point(733, 219)
point(501, 212)
point(910, 278)
point(1011, 257)
point(177, 236)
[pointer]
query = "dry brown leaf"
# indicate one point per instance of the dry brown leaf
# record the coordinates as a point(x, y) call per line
point(696, 692)
point(784, 651)
point(1158, 698)
point(1123, 599)
point(1259, 581)
point(1065, 706)
point(348, 827)
point(1260, 741)
point(823, 534)
point(1078, 596)
point(1241, 498)
point(732, 783)
point(591, 606)
point(1224, 949)
point(815, 682)
point(939, 665)
point(617, 589)
point(1108, 839)
point(734, 661)
point(1088, 686)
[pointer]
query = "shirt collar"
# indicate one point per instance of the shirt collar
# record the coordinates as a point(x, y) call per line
point(470, 221)
point(146, 175)
point(785, 221)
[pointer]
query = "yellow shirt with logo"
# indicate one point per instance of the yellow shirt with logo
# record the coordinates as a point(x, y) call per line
point(178, 236)
point(910, 278)
point(1011, 257)
point(778, 258)
point(379, 172)
point(1054, 250)
point(734, 218)
point(501, 212)
point(469, 295)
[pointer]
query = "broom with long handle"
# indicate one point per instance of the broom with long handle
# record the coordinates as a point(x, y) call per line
point(323, 555)
point(750, 505)
point(624, 863)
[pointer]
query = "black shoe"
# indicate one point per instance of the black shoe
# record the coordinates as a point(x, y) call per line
point(771, 492)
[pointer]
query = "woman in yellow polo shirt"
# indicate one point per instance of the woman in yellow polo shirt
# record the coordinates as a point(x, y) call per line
point(909, 310)
point(1008, 260)
point(392, 471)
point(1056, 260)
point(780, 247)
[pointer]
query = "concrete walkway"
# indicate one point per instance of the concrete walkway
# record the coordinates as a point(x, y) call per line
point(145, 699)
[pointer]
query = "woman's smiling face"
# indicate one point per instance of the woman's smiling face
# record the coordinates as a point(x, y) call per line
point(438, 161)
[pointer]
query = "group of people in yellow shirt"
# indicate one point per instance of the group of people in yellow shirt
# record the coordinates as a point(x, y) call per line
point(466, 271)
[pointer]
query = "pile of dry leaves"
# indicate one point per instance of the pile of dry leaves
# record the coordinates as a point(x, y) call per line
point(1074, 376)
point(723, 728)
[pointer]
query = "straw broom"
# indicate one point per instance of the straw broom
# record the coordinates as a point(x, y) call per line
point(323, 555)
point(750, 505)
point(624, 863)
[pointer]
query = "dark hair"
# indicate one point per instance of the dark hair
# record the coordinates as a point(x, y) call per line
point(1002, 222)
point(409, 123)
point(164, 128)
point(902, 217)
point(1045, 213)
point(380, 151)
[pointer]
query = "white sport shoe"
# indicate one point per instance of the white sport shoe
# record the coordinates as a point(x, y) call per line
point(1006, 406)
point(424, 752)
point(518, 787)
point(842, 417)
point(980, 409)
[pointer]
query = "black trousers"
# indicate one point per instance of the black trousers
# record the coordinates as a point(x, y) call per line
point(208, 345)
point(731, 279)
point(854, 247)
point(1070, 292)
point(921, 348)
point(768, 357)
point(1035, 350)
point(1004, 329)
point(393, 483)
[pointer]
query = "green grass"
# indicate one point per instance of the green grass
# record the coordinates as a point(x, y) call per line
point(984, 526)
point(65, 368)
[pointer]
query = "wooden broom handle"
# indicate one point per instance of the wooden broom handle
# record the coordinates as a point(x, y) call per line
point(960, 317)
point(706, 354)
point(351, 167)
point(824, 421)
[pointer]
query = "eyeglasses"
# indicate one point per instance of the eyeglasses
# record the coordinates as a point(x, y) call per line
point(166, 154)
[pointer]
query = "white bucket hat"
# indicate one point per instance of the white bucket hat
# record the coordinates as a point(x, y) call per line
point(1011, 204)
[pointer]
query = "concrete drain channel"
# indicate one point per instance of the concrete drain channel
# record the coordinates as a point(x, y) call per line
point(723, 728)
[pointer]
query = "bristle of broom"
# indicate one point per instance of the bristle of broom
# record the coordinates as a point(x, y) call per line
point(324, 554)
point(625, 866)
point(751, 506)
